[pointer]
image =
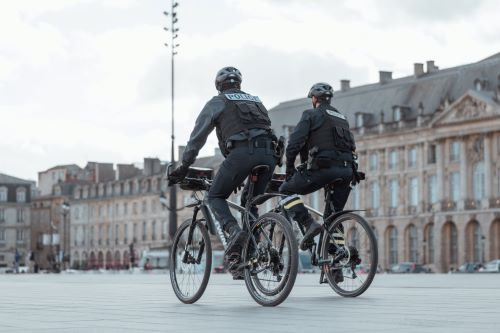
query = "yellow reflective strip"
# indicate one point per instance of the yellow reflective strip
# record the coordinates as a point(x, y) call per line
point(340, 242)
point(293, 203)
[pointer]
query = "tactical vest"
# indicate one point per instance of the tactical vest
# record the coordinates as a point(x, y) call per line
point(333, 133)
point(241, 113)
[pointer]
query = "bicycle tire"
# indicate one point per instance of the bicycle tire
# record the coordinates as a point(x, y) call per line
point(373, 250)
point(174, 260)
point(284, 289)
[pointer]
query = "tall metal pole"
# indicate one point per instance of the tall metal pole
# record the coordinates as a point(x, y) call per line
point(173, 189)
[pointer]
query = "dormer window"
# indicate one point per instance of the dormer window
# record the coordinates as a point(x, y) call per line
point(478, 85)
point(359, 120)
point(397, 114)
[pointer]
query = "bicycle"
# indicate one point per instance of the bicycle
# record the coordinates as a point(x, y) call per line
point(269, 257)
point(348, 260)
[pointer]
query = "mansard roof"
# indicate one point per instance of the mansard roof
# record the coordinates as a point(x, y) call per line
point(430, 89)
point(6, 179)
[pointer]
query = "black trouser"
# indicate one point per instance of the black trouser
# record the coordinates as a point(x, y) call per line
point(232, 173)
point(309, 181)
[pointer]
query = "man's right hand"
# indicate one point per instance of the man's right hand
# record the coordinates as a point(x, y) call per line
point(290, 171)
point(178, 174)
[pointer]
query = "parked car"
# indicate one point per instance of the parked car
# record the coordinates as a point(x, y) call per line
point(492, 266)
point(408, 267)
point(470, 267)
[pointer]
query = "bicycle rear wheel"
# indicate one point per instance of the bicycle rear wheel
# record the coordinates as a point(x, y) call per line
point(190, 261)
point(350, 244)
point(273, 264)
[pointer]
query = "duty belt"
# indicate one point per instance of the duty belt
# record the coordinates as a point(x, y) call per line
point(322, 163)
point(259, 142)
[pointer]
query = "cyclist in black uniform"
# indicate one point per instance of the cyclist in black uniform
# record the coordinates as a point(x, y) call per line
point(243, 129)
point(323, 139)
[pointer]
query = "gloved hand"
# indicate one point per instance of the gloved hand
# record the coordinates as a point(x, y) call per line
point(290, 171)
point(358, 176)
point(178, 174)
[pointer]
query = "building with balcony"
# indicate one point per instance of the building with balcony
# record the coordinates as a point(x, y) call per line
point(430, 145)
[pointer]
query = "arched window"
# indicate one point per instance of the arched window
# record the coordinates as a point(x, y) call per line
point(449, 246)
point(495, 240)
point(392, 235)
point(473, 242)
point(429, 237)
point(478, 181)
point(411, 236)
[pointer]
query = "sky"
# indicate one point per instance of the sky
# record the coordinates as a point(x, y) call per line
point(89, 80)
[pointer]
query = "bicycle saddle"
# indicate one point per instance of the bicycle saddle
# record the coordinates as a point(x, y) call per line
point(259, 169)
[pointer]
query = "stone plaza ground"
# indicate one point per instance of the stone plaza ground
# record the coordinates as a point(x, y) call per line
point(145, 302)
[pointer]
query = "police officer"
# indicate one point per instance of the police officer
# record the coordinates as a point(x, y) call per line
point(243, 129)
point(323, 139)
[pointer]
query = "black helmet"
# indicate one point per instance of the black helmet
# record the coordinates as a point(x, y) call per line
point(321, 90)
point(227, 75)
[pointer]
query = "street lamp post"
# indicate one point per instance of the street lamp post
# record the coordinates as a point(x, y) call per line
point(65, 208)
point(173, 46)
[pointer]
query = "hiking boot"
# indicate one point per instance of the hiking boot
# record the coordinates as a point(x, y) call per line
point(312, 231)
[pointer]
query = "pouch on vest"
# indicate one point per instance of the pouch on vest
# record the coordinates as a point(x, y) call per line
point(252, 113)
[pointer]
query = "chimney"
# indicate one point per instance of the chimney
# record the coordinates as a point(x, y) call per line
point(431, 68)
point(385, 77)
point(345, 85)
point(418, 69)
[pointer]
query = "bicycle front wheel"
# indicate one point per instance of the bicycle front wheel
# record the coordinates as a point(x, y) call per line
point(350, 246)
point(190, 261)
point(272, 265)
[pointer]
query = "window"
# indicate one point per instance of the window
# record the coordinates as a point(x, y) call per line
point(432, 189)
point(454, 186)
point(144, 203)
point(76, 213)
point(153, 205)
point(3, 194)
point(373, 161)
point(393, 245)
point(2, 235)
point(413, 191)
point(92, 235)
point(394, 192)
point(153, 231)
point(20, 215)
point(375, 195)
point(430, 243)
point(431, 154)
point(144, 231)
point(117, 233)
point(125, 233)
point(356, 199)
point(117, 209)
point(134, 208)
point(100, 236)
point(2, 215)
point(164, 230)
point(125, 208)
point(393, 159)
point(397, 114)
point(454, 151)
point(134, 232)
point(412, 243)
point(412, 157)
point(20, 235)
point(478, 181)
point(21, 195)
point(359, 120)
point(110, 234)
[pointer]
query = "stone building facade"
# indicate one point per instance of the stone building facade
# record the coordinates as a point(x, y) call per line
point(15, 221)
point(430, 146)
point(107, 217)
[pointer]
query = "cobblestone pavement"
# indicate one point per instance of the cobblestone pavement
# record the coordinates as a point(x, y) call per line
point(145, 302)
